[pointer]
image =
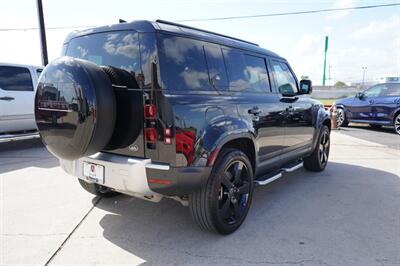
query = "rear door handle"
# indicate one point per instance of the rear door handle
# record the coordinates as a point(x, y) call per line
point(7, 98)
point(255, 110)
point(371, 101)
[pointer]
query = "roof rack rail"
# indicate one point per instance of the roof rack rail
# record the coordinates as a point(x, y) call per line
point(193, 28)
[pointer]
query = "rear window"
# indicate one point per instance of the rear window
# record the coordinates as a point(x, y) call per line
point(118, 49)
point(258, 75)
point(15, 79)
point(183, 64)
point(246, 73)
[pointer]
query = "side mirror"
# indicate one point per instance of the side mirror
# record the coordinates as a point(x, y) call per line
point(360, 95)
point(305, 86)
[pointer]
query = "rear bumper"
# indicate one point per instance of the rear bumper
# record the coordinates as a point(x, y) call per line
point(140, 177)
point(177, 181)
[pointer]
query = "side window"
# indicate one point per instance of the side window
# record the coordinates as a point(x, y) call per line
point(285, 81)
point(391, 90)
point(257, 71)
point(216, 67)
point(373, 91)
point(236, 68)
point(183, 64)
point(15, 79)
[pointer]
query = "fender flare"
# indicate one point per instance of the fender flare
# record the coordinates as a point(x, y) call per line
point(322, 116)
point(227, 137)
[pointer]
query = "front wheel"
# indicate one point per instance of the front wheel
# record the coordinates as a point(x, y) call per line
point(317, 161)
point(223, 203)
point(396, 123)
point(341, 119)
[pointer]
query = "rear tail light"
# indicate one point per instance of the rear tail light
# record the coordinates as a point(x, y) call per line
point(167, 140)
point(150, 111)
point(151, 135)
point(167, 136)
point(167, 132)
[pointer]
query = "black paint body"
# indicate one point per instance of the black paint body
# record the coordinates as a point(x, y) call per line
point(212, 111)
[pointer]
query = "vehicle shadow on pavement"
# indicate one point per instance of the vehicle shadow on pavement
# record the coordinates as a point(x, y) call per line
point(15, 155)
point(383, 129)
point(335, 217)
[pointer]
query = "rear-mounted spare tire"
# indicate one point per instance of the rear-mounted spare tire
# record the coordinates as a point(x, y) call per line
point(75, 108)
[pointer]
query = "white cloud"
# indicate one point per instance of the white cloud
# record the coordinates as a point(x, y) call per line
point(389, 27)
point(341, 4)
point(308, 44)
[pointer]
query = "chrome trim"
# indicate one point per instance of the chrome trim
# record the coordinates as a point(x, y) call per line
point(294, 168)
point(163, 167)
point(14, 137)
point(269, 180)
point(55, 110)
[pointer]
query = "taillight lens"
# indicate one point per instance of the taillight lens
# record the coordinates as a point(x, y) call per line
point(151, 135)
point(150, 111)
point(167, 132)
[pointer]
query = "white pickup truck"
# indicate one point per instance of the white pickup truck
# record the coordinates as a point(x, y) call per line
point(17, 94)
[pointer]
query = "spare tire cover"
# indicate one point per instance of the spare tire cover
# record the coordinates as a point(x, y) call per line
point(74, 108)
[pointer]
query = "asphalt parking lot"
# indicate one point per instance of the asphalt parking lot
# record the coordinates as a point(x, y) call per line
point(385, 136)
point(346, 215)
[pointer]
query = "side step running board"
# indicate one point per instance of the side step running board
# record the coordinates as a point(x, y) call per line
point(13, 137)
point(269, 179)
point(293, 168)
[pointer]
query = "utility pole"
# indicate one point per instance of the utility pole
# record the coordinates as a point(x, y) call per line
point(326, 49)
point(363, 80)
point(42, 32)
point(329, 74)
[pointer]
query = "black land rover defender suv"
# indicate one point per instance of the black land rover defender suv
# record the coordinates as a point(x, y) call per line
point(158, 109)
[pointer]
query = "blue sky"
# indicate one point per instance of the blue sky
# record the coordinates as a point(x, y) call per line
point(361, 38)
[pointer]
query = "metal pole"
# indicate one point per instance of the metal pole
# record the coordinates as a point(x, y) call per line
point(42, 32)
point(326, 49)
point(363, 80)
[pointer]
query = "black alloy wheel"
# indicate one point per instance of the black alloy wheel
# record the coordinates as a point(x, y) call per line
point(234, 193)
point(222, 204)
point(318, 159)
point(324, 147)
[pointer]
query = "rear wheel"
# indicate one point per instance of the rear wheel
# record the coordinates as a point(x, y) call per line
point(223, 203)
point(341, 119)
point(396, 123)
point(97, 189)
point(317, 161)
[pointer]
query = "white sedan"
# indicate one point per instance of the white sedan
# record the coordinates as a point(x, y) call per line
point(17, 94)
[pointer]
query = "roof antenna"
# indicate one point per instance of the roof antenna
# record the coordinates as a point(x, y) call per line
point(122, 21)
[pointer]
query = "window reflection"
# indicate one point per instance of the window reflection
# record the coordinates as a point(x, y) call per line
point(236, 68)
point(182, 64)
point(15, 79)
point(286, 83)
point(118, 49)
point(258, 76)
